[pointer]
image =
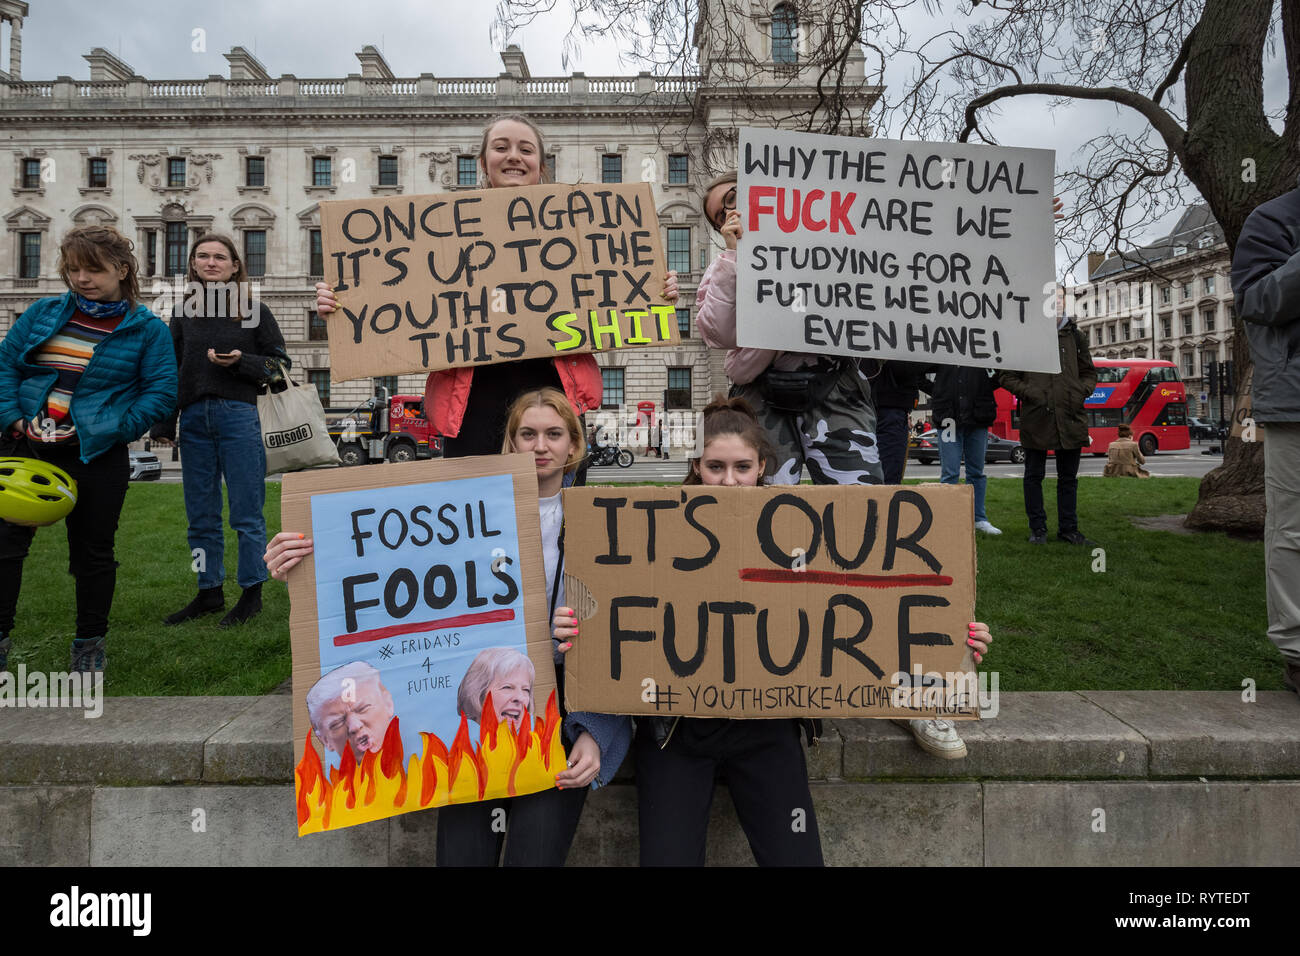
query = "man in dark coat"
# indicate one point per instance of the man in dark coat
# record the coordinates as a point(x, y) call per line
point(894, 390)
point(1266, 281)
point(962, 402)
point(1052, 418)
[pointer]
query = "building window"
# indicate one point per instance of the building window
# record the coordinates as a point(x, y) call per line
point(1110, 301)
point(322, 173)
point(1166, 295)
point(611, 169)
point(321, 379)
point(466, 171)
point(151, 253)
point(1126, 331)
point(388, 170)
point(1189, 365)
point(1207, 317)
point(176, 171)
point(97, 177)
point(1187, 290)
point(684, 323)
point(1166, 328)
point(612, 381)
point(255, 171)
point(317, 330)
point(255, 251)
point(678, 169)
point(31, 174)
point(1187, 324)
point(29, 261)
point(1208, 284)
point(386, 381)
point(315, 253)
point(550, 167)
point(1142, 294)
point(177, 247)
point(679, 248)
point(1111, 330)
point(679, 389)
point(785, 35)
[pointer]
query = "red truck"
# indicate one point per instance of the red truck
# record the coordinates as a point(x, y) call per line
point(365, 434)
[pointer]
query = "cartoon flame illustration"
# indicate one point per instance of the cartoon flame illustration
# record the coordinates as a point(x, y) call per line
point(503, 764)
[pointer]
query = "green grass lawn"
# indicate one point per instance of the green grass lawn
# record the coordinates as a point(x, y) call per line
point(1170, 611)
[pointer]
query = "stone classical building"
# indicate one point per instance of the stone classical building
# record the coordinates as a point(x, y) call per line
point(252, 155)
point(1169, 300)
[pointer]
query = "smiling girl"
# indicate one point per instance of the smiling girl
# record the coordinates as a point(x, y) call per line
point(467, 405)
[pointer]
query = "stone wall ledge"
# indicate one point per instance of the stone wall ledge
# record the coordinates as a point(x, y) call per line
point(1093, 735)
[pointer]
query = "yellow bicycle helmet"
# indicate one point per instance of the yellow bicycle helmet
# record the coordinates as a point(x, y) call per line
point(34, 492)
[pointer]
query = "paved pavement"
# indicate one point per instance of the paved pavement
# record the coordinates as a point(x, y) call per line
point(1189, 463)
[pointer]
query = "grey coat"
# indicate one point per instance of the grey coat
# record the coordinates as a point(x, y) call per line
point(1266, 281)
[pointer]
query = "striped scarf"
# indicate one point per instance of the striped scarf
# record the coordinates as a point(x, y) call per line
point(68, 352)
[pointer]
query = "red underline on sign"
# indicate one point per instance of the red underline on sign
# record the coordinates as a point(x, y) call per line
point(394, 630)
point(780, 576)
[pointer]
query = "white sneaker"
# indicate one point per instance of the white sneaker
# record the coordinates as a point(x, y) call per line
point(986, 527)
point(938, 738)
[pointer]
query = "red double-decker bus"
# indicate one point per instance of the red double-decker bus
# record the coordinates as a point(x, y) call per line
point(1144, 394)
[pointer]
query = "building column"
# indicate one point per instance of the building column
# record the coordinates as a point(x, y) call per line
point(16, 48)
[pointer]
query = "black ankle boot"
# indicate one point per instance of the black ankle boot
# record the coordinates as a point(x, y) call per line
point(208, 601)
point(248, 605)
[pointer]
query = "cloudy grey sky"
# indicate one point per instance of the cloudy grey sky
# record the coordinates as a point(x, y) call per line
point(319, 38)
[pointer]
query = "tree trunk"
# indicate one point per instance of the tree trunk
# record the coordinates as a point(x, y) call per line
point(1237, 161)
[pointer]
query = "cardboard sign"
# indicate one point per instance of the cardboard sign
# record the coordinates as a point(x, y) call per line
point(494, 275)
point(793, 601)
point(422, 669)
point(931, 252)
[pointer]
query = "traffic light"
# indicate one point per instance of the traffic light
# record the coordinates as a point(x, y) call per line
point(1229, 379)
point(1213, 378)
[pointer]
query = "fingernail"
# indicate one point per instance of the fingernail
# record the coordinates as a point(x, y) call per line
point(566, 645)
point(970, 642)
point(301, 536)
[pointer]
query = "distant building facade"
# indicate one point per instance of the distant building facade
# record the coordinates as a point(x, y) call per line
point(1170, 300)
point(252, 155)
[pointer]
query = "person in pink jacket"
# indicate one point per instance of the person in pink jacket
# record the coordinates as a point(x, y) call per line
point(816, 409)
point(468, 405)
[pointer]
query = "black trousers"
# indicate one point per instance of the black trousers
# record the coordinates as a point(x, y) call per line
point(495, 387)
point(764, 765)
point(1067, 489)
point(891, 441)
point(537, 829)
point(91, 529)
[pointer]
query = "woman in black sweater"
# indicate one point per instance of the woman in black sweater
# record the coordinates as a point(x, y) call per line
point(227, 346)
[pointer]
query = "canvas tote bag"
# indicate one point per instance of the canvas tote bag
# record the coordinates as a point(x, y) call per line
point(293, 428)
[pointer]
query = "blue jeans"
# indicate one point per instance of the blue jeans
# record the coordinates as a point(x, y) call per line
point(223, 439)
point(968, 443)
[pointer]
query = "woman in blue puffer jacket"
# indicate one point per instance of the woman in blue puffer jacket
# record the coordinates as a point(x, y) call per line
point(81, 375)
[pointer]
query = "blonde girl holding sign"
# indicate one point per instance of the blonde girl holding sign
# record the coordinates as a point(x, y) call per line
point(539, 827)
point(467, 405)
